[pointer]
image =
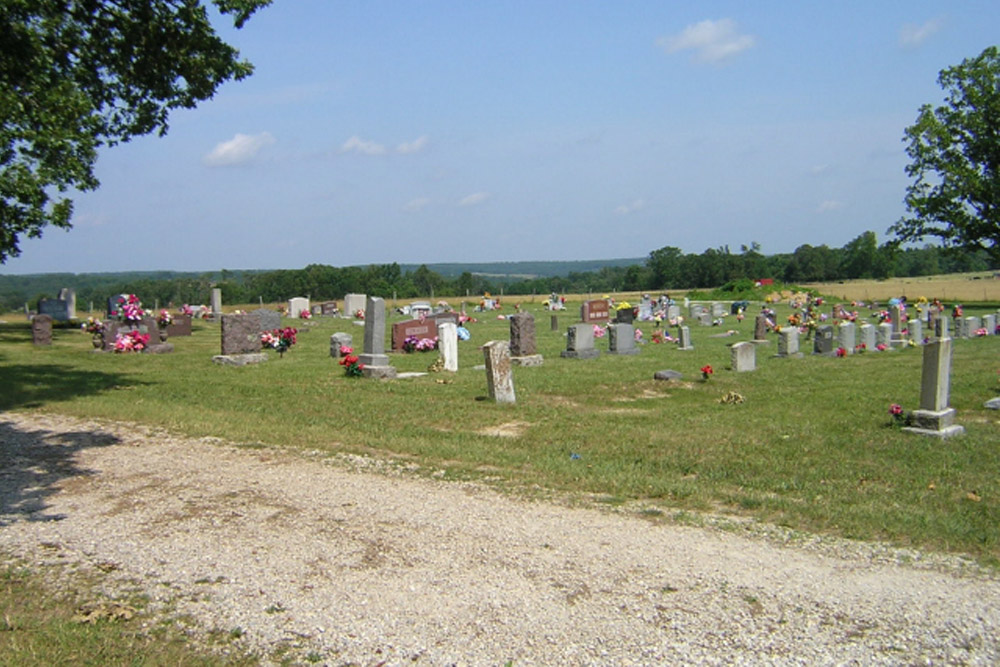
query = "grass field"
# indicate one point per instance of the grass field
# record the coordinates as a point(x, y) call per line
point(963, 288)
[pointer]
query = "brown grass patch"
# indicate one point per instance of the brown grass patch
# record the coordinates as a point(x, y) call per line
point(514, 429)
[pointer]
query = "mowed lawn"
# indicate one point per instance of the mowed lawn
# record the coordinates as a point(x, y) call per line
point(811, 445)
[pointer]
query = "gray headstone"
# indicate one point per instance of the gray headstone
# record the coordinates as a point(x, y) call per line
point(695, 310)
point(673, 312)
point(667, 375)
point(705, 319)
point(845, 336)
point(621, 339)
point(353, 303)
point(554, 322)
point(788, 342)
point(760, 327)
point(339, 340)
point(823, 344)
point(915, 330)
point(374, 358)
point(744, 357)
point(718, 309)
point(41, 330)
point(240, 334)
point(216, 302)
point(268, 319)
point(448, 345)
point(499, 371)
point(866, 336)
point(580, 342)
point(972, 325)
point(883, 334)
point(990, 324)
point(941, 327)
point(934, 416)
point(684, 339)
point(961, 327)
point(522, 335)
point(896, 313)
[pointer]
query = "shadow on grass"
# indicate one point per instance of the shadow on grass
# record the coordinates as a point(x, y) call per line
point(32, 463)
point(32, 385)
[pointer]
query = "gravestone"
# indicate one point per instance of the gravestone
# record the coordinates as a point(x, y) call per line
point(823, 344)
point(743, 357)
point(109, 332)
point(376, 362)
point(268, 319)
point(705, 319)
point(990, 324)
point(523, 346)
point(972, 324)
point(339, 340)
point(425, 328)
point(554, 322)
point(621, 339)
point(41, 330)
point(180, 325)
point(499, 371)
point(941, 325)
point(580, 342)
point(447, 333)
point(645, 309)
point(961, 327)
point(866, 336)
point(595, 311)
point(695, 310)
point(845, 336)
point(684, 339)
point(327, 309)
point(915, 330)
point(788, 342)
point(216, 302)
point(60, 309)
point(673, 312)
point(897, 338)
point(354, 303)
point(883, 335)
point(240, 335)
point(934, 416)
point(718, 309)
point(760, 328)
point(296, 305)
point(625, 315)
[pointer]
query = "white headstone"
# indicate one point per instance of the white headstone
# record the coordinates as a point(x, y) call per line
point(448, 345)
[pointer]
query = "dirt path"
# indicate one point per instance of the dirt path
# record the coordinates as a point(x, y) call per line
point(355, 567)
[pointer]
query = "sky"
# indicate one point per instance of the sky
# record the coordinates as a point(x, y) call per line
point(424, 132)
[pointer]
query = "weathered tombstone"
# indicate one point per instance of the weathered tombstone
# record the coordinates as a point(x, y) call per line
point(845, 336)
point(109, 334)
point(990, 324)
point(695, 310)
point(447, 333)
point(673, 312)
point(339, 340)
point(595, 311)
point(788, 342)
point(883, 334)
point(499, 372)
point(41, 330)
point(941, 328)
point(961, 327)
point(744, 357)
point(915, 330)
point(68, 296)
point(296, 305)
point(621, 339)
point(580, 342)
point(684, 338)
point(866, 335)
point(60, 310)
point(823, 344)
point(354, 303)
point(896, 313)
point(240, 341)
point(554, 322)
point(216, 302)
point(523, 346)
point(268, 319)
point(718, 309)
point(760, 328)
point(934, 416)
point(972, 324)
point(180, 325)
point(374, 358)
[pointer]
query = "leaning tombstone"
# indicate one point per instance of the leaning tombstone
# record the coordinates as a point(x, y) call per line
point(447, 334)
point(845, 336)
point(339, 340)
point(788, 342)
point(374, 359)
point(684, 338)
point(621, 339)
point(499, 372)
point(580, 343)
point(743, 357)
point(240, 341)
point(823, 344)
point(523, 345)
point(934, 416)
point(41, 330)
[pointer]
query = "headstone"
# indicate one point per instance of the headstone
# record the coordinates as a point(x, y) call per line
point(447, 333)
point(915, 330)
point(684, 339)
point(941, 328)
point(339, 340)
point(934, 416)
point(60, 309)
point(376, 362)
point(845, 336)
point(896, 314)
point(625, 315)
point(695, 310)
point(961, 327)
point(41, 330)
point(744, 357)
point(425, 328)
point(760, 328)
point(673, 312)
point(68, 296)
point(296, 305)
point(180, 326)
point(972, 324)
point(499, 371)
point(216, 302)
point(523, 346)
point(328, 309)
point(990, 324)
point(718, 309)
point(268, 319)
point(353, 303)
point(554, 322)
point(109, 334)
point(883, 334)
point(824, 340)
point(621, 339)
point(240, 335)
point(580, 342)
point(866, 336)
point(788, 342)
point(595, 311)
point(667, 375)
point(645, 309)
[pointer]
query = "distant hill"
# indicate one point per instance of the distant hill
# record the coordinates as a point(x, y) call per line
point(524, 270)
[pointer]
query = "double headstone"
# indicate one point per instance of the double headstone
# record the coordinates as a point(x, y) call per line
point(621, 339)
point(374, 358)
point(499, 371)
point(935, 417)
point(580, 342)
point(523, 345)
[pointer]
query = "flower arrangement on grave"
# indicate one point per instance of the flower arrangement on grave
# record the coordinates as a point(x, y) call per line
point(131, 341)
point(93, 326)
point(463, 333)
point(279, 339)
point(164, 319)
point(897, 414)
point(657, 336)
point(598, 331)
point(860, 347)
point(881, 347)
point(624, 305)
point(638, 335)
point(350, 362)
point(130, 309)
point(304, 314)
point(841, 352)
point(795, 319)
point(463, 319)
point(981, 331)
point(186, 310)
point(359, 314)
point(957, 311)
point(414, 344)
point(706, 371)
point(883, 316)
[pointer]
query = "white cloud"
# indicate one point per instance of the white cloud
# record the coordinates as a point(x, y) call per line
point(416, 204)
point(239, 150)
point(474, 198)
point(625, 209)
point(358, 145)
point(711, 41)
point(913, 35)
point(414, 146)
point(829, 205)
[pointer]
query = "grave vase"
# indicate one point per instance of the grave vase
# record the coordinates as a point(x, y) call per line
point(97, 340)
point(163, 334)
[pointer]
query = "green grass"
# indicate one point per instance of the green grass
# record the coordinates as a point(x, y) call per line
point(811, 447)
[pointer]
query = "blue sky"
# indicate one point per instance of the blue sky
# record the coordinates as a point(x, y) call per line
point(377, 132)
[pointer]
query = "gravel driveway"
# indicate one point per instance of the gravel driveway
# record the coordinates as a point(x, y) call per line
point(340, 565)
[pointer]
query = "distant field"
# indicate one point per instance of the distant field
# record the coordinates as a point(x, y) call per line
point(963, 287)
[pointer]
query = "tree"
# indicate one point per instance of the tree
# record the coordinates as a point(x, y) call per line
point(955, 150)
point(77, 75)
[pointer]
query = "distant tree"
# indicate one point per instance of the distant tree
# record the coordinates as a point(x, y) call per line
point(76, 75)
point(665, 266)
point(955, 150)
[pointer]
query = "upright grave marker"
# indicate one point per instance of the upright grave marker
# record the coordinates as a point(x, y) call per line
point(447, 334)
point(339, 340)
point(216, 302)
point(621, 339)
point(595, 311)
point(915, 330)
point(580, 342)
point(866, 335)
point(41, 330)
point(845, 336)
point(240, 341)
point(743, 357)
point(499, 372)
point(788, 342)
point(354, 303)
point(824, 340)
point(523, 345)
point(934, 416)
point(760, 329)
point(684, 338)
point(896, 338)
point(296, 305)
point(374, 358)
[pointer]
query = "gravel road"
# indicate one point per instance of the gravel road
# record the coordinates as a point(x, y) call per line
point(338, 565)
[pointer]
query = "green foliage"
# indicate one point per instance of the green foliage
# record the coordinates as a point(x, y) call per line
point(76, 76)
point(955, 153)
